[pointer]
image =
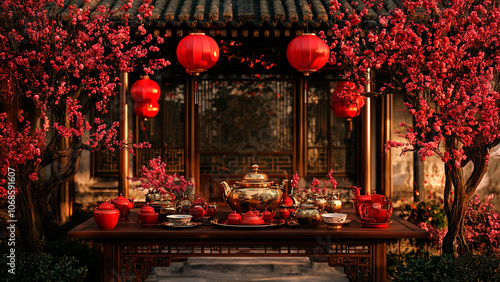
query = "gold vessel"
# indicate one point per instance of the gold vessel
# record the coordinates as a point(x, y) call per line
point(308, 215)
point(256, 191)
point(333, 203)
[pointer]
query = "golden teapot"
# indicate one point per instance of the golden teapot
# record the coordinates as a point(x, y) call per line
point(256, 191)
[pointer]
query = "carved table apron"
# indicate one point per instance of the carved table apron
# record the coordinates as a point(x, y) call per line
point(129, 251)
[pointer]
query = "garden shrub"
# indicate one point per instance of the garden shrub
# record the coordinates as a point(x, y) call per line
point(482, 227)
point(449, 268)
point(80, 250)
point(43, 267)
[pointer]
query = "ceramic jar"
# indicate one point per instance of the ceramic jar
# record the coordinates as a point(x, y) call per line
point(106, 216)
point(148, 216)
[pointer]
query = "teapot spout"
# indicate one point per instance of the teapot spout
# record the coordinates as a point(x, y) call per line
point(226, 189)
point(131, 204)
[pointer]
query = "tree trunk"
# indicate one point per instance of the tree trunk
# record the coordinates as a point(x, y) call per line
point(29, 237)
point(462, 191)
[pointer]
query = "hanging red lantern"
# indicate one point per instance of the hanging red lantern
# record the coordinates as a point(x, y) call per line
point(145, 90)
point(197, 52)
point(146, 109)
point(350, 106)
point(307, 53)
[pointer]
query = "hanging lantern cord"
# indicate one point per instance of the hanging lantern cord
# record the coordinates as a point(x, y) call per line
point(196, 91)
point(349, 128)
point(305, 89)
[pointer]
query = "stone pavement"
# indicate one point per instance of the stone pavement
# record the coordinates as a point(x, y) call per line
point(218, 269)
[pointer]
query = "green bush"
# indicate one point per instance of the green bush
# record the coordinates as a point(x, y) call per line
point(448, 268)
point(43, 267)
point(80, 250)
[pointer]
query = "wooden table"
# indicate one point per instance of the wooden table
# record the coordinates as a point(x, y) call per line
point(130, 251)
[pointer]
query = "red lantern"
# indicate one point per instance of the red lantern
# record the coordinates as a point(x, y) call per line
point(197, 52)
point(145, 90)
point(349, 107)
point(147, 109)
point(307, 53)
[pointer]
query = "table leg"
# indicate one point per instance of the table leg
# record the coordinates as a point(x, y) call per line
point(380, 261)
point(110, 263)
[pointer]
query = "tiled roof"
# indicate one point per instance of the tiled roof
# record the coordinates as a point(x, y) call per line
point(238, 13)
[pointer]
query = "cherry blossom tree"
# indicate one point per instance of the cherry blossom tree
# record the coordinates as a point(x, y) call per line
point(57, 63)
point(444, 58)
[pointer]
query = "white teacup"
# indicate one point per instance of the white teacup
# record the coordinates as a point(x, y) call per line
point(179, 219)
point(335, 218)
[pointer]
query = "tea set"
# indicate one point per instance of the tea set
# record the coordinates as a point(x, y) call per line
point(255, 202)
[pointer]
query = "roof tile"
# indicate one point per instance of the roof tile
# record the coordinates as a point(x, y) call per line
point(235, 13)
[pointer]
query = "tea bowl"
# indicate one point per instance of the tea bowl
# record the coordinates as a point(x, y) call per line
point(179, 219)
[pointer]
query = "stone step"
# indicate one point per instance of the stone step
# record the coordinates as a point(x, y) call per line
point(299, 269)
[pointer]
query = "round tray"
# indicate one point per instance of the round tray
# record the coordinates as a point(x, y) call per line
point(222, 223)
point(171, 225)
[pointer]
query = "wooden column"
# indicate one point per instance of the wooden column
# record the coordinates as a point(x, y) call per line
point(191, 155)
point(300, 126)
point(386, 132)
point(123, 160)
point(366, 143)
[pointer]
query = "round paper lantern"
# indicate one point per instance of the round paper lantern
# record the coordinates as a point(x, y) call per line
point(145, 90)
point(197, 52)
point(347, 108)
point(146, 109)
point(307, 53)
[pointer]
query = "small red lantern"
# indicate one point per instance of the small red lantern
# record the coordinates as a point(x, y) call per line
point(145, 90)
point(146, 109)
point(349, 107)
point(197, 52)
point(307, 53)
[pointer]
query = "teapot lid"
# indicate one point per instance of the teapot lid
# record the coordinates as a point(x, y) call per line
point(121, 199)
point(256, 179)
point(106, 206)
point(147, 209)
point(255, 175)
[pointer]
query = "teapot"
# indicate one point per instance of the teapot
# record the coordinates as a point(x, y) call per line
point(267, 216)
point(256, 191)
point(308, 215)
point(211, 211)
point(333, 203)
point(251, 218)
point(197, 211)
point(123, 205)
point(373, 207)
point(319, 201)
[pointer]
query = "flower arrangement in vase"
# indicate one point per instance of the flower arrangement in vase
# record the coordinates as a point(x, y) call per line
point(159, 185)
point(316, 193)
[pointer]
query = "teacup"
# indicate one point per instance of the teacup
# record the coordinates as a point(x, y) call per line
point(179, 219)
point(336, 218)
